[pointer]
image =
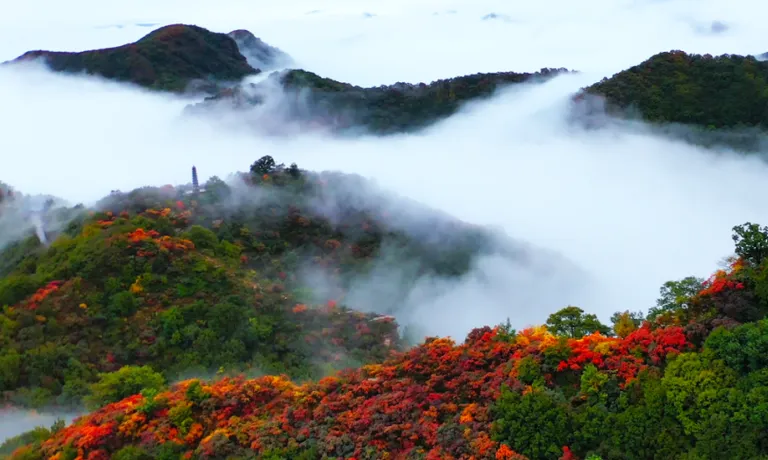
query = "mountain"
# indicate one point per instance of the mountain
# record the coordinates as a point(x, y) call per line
point(202, 285)
point(709, 100)
point(299, 95)
point(691, 382)
point(713, 92)
point(168, 59)
point(259, 54)
point(246, 276)
point(181, 58)
point(218, 320)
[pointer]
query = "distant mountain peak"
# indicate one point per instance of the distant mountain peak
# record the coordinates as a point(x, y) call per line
point(169, 59)
point(259, 55)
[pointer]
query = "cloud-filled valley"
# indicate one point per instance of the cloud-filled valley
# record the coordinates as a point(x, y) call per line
point(598, 217)
point(630, 209)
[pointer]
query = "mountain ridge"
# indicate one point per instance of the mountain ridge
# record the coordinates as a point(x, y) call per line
point(166, 59)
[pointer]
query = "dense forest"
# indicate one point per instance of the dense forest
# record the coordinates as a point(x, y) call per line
point(720, 99)
point(170, 58)
point(713, 92)
point(186, 320)
point(200, 284)
point(208, 278)
point(386, 109)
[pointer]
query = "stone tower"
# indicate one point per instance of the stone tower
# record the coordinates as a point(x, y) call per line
point(195, 183)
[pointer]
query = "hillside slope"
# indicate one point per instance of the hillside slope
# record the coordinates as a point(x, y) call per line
point(299, 95)
point(259, 54)
point(713, 92)
point(168, 59)
point(691, 383)
point(247, 276)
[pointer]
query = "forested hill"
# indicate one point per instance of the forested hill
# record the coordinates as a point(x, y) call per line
point(688, 381)
point(245, 276)
point(712, 92)
point(168, 59)
point(190, 59)
point(387, 109)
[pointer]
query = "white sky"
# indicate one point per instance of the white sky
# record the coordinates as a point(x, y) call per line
point(410, 40)
point(632, 210)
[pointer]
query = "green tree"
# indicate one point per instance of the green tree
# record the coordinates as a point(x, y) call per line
point(202, 237)
point(744, 348)
point(263, 165)
point(536, 424)
point(705, 397)
point(127, 381)
point(294, 171)
point(10, 365)
point(751, 242)
point(675, 296)
point(573, 322)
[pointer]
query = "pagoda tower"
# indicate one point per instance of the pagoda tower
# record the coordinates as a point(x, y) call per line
point(195, 183)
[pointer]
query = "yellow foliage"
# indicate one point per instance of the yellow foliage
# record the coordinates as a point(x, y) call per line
point(604, 348)
point(136, 287)
point(624, 326)
point(467, 414)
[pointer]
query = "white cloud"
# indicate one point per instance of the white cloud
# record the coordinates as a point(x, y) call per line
point(406, 40)
point(632, 210)
point(15, 422)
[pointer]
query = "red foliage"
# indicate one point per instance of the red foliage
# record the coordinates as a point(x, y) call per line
point(723, 279)
point(157, 243)
point(140, 235)
point(395, 407)
point(37, 298)
point(567, 454)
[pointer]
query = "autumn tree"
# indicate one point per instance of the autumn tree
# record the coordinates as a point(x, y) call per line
point(573, 322)
point(624, 323)
point(751, 242)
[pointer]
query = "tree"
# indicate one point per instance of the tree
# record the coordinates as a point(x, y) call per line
point(675, 296)
point(751, 242)
point(536, 424)
point(294, 171)
point(127, 381)
point(624, 323)
point(263, 165)
point(573, 322)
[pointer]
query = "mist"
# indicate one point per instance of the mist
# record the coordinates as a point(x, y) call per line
point(617, 211)
point(15, 422)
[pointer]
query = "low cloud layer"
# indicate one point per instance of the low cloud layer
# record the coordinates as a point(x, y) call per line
point(630, 210)
point(16, 422)
point(336, 39)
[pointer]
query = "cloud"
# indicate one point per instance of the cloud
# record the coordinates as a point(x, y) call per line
point(16, 422)
point(602, 35)
point(629, 209)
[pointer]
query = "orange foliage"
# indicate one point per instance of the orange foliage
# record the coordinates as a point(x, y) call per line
point(723, 279)
point(140, 235)
point(505, 453)
point(396, 407)
point(37, 298)
point(161, 243)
